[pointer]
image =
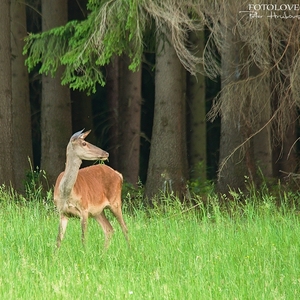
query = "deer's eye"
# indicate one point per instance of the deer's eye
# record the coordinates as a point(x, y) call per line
point(83, 143)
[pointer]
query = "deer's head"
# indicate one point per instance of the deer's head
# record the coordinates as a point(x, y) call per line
point(84, 150)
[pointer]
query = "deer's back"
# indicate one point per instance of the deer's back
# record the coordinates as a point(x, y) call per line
point(94, 184)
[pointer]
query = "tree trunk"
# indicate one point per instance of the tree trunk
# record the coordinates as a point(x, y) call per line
point(261, 141)
point(167, 170)
point(82, 110)
point(82, 117)
point(285, 149)
point(197, 117)
point(112, 95)
point(232, 171)
point(288, 161)
point(129, 122)
point(82, 113)
point(245, 111)
point(6, 153)
point(22, 141)
point(56, 107)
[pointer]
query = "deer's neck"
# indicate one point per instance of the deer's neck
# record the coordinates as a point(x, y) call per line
point(70, 175)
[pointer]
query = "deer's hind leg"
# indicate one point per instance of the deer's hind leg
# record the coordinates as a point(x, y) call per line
point(106, 227)
point(117, 211)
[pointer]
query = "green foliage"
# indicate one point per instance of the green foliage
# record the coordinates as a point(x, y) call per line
point(111, 28)
point(198, 185)
point(62, 47)
point(35, 183)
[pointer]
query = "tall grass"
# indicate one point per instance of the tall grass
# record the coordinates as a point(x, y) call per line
point(243, 251)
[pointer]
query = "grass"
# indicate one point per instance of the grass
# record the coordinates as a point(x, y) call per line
point(249, 251)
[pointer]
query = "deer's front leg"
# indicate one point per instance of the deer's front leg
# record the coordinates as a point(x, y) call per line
point(63, 222)
point(84, 221)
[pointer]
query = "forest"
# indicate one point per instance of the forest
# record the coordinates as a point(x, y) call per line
point(197, 104)
point(179, 92)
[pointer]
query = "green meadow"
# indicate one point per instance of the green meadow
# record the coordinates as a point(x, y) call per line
point(246, 249)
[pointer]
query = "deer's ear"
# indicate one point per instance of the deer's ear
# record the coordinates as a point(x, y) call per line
point(84, 134)
point(79, 135)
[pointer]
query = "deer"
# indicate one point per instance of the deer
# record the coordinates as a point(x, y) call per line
point(86, 192)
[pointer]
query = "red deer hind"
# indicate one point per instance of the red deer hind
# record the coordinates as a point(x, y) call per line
point(86, 192)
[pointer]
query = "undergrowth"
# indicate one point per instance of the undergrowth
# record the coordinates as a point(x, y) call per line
point(205, 204)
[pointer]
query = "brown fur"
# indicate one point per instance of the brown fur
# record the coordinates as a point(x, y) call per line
point(96, 187)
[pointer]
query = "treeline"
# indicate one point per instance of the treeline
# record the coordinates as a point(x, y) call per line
point(174, 90)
